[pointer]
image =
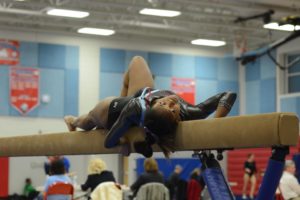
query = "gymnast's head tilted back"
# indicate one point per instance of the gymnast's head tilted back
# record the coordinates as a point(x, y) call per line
point(162, 125)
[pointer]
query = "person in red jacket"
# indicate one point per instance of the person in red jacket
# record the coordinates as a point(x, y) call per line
point(195, 185)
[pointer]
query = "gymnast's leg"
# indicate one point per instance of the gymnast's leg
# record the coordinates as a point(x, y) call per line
point(221, 103)
point(96, 118)
point(253, 186)
point(137, 76)
point(246, 179)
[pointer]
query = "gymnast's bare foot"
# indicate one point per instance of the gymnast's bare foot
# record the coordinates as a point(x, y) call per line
point(69, 120)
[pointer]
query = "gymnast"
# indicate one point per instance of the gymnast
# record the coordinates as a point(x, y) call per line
point(156, 111)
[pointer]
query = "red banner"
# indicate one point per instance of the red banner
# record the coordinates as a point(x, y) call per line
point(185, 88)
point(24, 88)
point(9, 52)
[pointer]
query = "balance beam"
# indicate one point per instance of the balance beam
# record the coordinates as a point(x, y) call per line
point(264, 130)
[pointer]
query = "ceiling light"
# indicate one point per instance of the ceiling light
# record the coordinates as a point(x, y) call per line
point(96, 31)
point(212, 43)
point(285, 27)
point(159, 12)
point(68, 13)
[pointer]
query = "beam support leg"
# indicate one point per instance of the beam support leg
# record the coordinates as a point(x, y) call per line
point(217, 184)
point(273, 173)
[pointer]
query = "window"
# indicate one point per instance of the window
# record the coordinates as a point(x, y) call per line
point(293, 73)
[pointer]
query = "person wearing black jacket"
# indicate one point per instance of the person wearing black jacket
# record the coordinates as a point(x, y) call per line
point(151, 175)
point(97, 175)
point(173, 181)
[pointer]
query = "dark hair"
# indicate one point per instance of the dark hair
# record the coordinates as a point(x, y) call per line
point(249, 155)
point(57, 167)
point(163, 124)
point(28, 181)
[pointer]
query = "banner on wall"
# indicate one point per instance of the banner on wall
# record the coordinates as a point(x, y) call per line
point(9, 52)
point(185, 88)
point(24, 88)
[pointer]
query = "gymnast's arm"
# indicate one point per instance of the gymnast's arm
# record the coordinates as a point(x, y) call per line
point(129, 116)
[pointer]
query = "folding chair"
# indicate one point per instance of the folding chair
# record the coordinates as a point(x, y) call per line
point(60, 191)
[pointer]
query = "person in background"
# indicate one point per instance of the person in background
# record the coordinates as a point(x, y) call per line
point(29, 191)
point(97, 174)
point(195, 185)
point(289, 186)
point(173, 182)
point(151, 175)
point(249, 175)
point(57, 174)
point(50, 159)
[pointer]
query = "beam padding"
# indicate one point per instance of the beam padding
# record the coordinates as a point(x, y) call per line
point(250, 131)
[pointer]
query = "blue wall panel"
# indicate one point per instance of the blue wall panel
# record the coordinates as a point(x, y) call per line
point(253, 71)
point(213, 74)
point(111, 84)
point(268, 95)
point(205, 89)
point(183, 66)
point(29, 54)
point(162, 82)
point(71, 92)
point(227, 69)
point(4, 90)
point(253, 97)
point(59, 75)
point(268, 68)
point(224, 86)
point(160, 64)
point(52, 85)
point(298, 107)
point(112, 60)
point(72, 57)
point(52, 56)
point(206, 68)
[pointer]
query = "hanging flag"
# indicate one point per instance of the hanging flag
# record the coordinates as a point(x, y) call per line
point(9, 52)
point(185, 88)
point(24, 88)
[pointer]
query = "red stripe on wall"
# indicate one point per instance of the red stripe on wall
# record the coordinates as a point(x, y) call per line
point(4, 164)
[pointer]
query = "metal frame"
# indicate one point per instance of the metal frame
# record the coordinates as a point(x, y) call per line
point(218, 186)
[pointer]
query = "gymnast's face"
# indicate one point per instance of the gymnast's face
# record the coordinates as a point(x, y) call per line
point(169, 103)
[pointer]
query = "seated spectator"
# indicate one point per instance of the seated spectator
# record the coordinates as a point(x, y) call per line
point(50, 159)
point(151, 175)
point(289, 185)
point(97, 174)
point(173, 182)
point(57, 174)
point(29, 191)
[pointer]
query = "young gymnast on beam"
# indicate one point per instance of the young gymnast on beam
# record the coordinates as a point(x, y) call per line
point(156, 111)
